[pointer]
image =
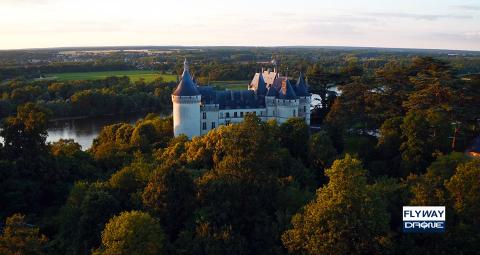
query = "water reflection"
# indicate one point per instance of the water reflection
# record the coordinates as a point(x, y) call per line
point(83, 131)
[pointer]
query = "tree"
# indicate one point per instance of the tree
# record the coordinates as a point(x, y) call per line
point(247, 192)
point(356, 108)
point(347, 216)
point(29, 183)
point(416, 150)
point(129, 182)
point(72, 162)
point(294, 134)
point(321, 83)
point(390, 137)
point(170, 194)
point(388, 148)
point(83, 217)
point(321, 152)
point(352, 68)
point(429, 188)
point(112, 146)
point(393, 82)
point(143, 136)
point(25, 134)
point(18, 237)
point(132, 233)
point(464, 188)
point(453, 181)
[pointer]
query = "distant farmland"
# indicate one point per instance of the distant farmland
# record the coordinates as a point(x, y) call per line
point(230, 85)
point(134, 75)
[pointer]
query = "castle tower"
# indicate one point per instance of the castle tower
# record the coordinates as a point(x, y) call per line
point(270, 103)
point(186, 106)
point(287, 102)
point(301, 89)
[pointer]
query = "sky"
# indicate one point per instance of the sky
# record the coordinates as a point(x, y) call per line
point(433, 24)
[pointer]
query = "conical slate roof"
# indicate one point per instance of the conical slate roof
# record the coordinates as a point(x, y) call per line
point(287, 92)
point(272, 92)
point(301, 87)
point(186, 87)
point(261, 86)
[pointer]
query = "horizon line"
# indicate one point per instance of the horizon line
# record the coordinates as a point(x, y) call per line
point(245, 46)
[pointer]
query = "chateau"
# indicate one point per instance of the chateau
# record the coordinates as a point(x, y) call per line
point(199, 109)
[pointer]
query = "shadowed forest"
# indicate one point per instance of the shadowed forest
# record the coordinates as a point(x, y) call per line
point(399, 134)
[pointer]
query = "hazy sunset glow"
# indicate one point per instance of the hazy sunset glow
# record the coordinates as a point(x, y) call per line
point(411, 23)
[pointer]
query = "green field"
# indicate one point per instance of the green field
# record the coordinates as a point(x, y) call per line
point(134, 75)
point(231, 85)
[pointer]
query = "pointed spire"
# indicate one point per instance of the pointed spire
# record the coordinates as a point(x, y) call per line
point(286, 91)
point(187, 86)
point(261, 86)
point(185, 65)
point(272, 92)
point(301, 87)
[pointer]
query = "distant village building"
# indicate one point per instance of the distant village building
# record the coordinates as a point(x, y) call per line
point(199, 109)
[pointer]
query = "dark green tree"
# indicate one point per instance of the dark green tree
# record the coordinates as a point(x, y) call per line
point(347, 216)
point(132, 233)
point(294, 135)
point(171, 196)
point(18, 237)
point(321, 152)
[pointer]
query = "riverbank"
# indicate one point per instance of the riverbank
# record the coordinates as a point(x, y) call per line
point(143, 111)
point(85, 130)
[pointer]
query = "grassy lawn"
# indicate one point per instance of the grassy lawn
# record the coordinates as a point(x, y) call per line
point(134, 75)
point(231, 85)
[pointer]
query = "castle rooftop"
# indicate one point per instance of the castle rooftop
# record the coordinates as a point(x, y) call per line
point(186, 87)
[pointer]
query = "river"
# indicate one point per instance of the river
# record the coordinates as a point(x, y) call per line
point(83, 131)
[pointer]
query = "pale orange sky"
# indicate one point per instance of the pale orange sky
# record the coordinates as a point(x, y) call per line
point(407, 24)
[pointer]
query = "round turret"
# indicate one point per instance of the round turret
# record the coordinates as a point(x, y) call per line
point(301, 89)
point(287, 102)
point(186, 106)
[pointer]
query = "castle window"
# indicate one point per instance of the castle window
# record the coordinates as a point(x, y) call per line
point(227, 115)
point(293, 113)
point(235, 114)
point(241, 114)
point(204, 125)
point(221, 115)
point(213, 125)
point(304, 108)
point(204, 115)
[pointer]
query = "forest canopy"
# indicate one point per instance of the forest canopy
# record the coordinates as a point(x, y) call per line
point(394, 136)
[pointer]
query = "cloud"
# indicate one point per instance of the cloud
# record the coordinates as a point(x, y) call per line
point(417, 16)
point(467, 7)
point(472, 34)
point(25, 2)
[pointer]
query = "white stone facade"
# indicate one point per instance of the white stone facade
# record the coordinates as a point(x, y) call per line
point(275, 100)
